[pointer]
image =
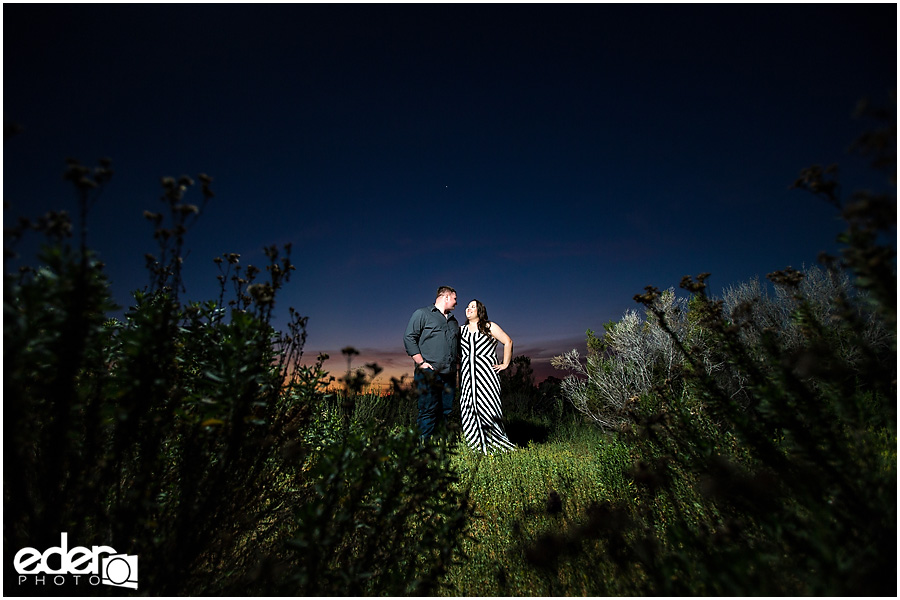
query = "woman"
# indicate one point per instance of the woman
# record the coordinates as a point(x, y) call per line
point(480, 382)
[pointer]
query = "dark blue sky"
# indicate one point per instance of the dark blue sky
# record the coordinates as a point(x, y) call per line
point(548, 160)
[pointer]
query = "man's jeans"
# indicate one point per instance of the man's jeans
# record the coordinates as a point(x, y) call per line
point(436, 393)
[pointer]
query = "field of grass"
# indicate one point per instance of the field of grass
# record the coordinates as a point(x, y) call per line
point(522, 499)
point(653, 509)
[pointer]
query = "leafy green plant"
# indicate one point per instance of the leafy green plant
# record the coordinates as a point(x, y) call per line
point(385, 517)
point(192, 436)
point(771, 468)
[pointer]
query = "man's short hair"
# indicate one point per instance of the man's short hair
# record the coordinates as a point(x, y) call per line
point(445, 289)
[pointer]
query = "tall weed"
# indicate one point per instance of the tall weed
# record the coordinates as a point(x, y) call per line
point(767, 464)
point(190, 435)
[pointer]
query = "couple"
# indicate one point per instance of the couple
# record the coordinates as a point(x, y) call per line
point(440, 349)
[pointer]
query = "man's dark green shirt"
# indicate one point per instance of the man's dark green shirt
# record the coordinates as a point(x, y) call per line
point(434, 337)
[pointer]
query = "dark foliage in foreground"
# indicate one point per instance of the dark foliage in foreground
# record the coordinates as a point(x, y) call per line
point(191, 436)
point(779, 468)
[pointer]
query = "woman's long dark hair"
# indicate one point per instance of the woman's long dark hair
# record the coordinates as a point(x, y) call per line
point(484, 326)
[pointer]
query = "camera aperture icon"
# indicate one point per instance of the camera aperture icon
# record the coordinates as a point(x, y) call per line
point(120, 570)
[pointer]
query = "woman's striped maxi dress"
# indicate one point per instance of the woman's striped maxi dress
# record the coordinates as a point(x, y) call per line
point(480, 393)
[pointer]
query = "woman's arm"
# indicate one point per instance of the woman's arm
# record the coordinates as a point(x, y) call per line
point(507, 342)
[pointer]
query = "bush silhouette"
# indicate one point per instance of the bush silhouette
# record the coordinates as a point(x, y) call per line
point(765, 452)
point(191, 435)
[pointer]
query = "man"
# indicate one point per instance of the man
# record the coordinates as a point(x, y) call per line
point(432, 340)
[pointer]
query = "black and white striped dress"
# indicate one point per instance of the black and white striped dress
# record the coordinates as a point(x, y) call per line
point(480, 393)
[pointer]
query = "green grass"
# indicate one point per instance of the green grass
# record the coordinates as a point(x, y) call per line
point(579, 511)
point(511, 494)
